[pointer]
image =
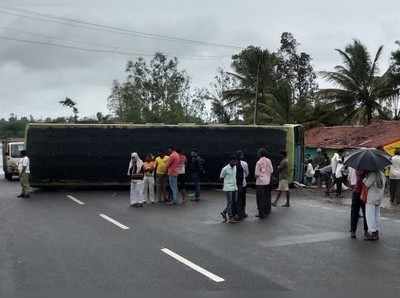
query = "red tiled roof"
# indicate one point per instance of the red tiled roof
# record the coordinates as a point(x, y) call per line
point(376, 134)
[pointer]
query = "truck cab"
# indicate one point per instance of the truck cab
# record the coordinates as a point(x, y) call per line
point(11, 157)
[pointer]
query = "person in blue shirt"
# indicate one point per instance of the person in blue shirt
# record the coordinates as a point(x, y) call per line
point(228, 174)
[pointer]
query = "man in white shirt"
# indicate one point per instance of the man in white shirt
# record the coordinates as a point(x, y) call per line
point(394, 176)
point(337, 166)
point(24, 172)
point(228, 174)
point(334, 162)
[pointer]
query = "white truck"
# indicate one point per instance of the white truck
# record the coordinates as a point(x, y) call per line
point(11, 156)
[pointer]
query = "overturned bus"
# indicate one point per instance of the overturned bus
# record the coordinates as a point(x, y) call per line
point(98, 154)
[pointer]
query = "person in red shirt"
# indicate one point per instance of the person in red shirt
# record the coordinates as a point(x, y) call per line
point(357, 203)
point(173, 167)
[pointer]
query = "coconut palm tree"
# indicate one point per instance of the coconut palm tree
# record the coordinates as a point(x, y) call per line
point(395, 103)
point(361, 92)
point(255, 69)
point(278, 104)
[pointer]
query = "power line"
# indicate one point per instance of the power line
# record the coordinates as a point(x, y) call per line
point(56, 38)
point(94, 50)
point(90, 25)
point(69, 47)
point(105, 46)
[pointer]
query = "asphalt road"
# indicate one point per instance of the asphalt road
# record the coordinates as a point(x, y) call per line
point(53, 245)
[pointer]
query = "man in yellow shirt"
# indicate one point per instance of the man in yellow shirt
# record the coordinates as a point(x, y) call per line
point(161, 177)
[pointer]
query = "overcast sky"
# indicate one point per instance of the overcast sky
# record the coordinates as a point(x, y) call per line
point(33, 78)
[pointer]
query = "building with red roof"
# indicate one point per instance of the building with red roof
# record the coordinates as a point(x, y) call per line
point(377, 134)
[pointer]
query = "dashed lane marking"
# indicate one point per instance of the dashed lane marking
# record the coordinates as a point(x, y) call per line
point(193, 266)
point(326, 208)
point(75, 200)
point(113, 221)
point(303, 239)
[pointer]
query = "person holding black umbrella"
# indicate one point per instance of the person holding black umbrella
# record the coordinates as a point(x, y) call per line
point(375, 183)
point(373, 162)
point(357, 203)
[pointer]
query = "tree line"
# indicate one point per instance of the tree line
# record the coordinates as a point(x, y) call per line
point(262, 87)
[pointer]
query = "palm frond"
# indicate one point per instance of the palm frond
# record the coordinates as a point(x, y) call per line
point(374, 67)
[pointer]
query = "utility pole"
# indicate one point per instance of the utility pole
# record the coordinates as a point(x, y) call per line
point(256, 97)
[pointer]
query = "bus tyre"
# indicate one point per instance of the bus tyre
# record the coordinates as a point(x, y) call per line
point(8, 176)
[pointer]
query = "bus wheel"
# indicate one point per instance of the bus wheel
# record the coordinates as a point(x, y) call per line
point(8, 176)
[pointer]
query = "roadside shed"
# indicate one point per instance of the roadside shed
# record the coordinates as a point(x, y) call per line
point(385, 134)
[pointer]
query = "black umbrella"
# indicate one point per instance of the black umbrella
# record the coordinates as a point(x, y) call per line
point(368, 160)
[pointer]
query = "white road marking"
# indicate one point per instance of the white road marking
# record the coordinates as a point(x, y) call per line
point(75, 200)
point(326, 208)
point(118, 224)
point(193, 266)
point(303, 239)
point(385, 218)
point(303, 227)
point(396, 220)
point(391, 248)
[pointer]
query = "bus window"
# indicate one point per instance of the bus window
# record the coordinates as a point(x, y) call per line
point(16, 149)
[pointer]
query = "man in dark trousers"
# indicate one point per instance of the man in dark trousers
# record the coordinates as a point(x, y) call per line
point(263, 172)
point(242, 171)
point(357, 203)
point(196, 169)
point(325, 174)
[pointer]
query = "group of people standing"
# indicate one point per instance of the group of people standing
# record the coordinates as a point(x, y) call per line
point(162, 178)
point(368, 188)
point(329, 171)
point(234, 176)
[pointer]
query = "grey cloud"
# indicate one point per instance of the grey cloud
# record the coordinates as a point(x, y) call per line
point(35, 77)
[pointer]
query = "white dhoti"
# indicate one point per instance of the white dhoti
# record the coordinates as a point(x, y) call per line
point(137, 192)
